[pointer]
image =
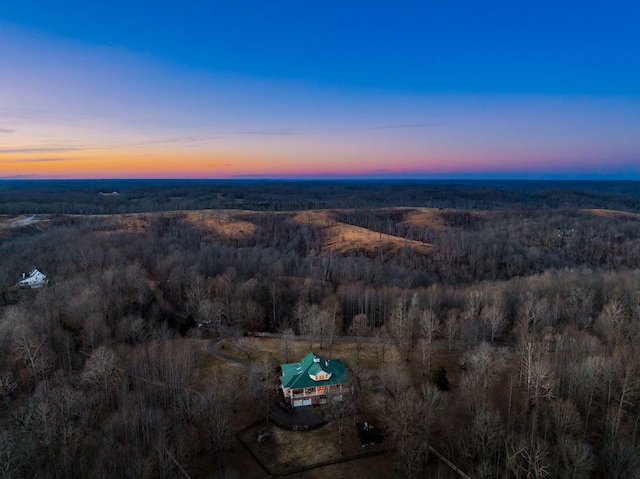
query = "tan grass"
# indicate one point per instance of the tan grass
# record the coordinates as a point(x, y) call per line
point(612, 213)
point(210, 366)
point(128, 223)
point(273, 351)
point(379, 467)
point(222, 224)
point(344, 238)
point(433, 217)
point(338, 236)
point(135, 222)
point(425, 218)
point(290, 449)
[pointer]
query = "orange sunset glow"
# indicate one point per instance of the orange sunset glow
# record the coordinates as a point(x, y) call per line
point(77, 107)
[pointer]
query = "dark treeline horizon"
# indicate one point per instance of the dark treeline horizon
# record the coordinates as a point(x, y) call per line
point(147, 195)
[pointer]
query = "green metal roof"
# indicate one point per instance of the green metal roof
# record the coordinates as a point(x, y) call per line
point(296, 375)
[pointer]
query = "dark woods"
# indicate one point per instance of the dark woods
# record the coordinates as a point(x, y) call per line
point(536, 285)
point(137, 196)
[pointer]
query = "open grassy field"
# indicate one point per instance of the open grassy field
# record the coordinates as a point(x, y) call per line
point(337, 236)
point(288, 450)
point(613, 213)
point(345, 238)
point(373, 355)
point(225, 224)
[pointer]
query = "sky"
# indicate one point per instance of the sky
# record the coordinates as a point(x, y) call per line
point(350, 89)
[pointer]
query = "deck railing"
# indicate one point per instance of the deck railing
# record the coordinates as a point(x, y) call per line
point(327, 391)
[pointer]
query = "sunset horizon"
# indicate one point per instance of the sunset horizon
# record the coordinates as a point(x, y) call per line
point(492, 91)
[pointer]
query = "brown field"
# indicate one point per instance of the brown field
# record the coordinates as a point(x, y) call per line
point(344, 238)
point(433, 217)
point(613, 213)
point(371, 353)
point(425, 217)
point(337, 236)
point(210, 365)
point(222, 224)
point(135, 222)
point(292, 449)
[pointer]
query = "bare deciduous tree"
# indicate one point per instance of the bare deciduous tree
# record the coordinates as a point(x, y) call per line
point(411, 421)
point(575, 458)
point(429, 326)
point(359, 327)
point(252, 315)
point(248, 345)
point(611, 323)
point(211, 312)
point(482, 440)
point(102, 369)
point(338, 409)
point(482, 366)
point(324, 326)
point(395, 378)
point(528, 457)
point(495, 318)
point(94, 331)
point(451, 327)
point(399, 327)
point(288, 335)
point(34, 350)
point(310, 325)
point(215, 410)
point(564, 418)
point(543, 385)
point(587, 382)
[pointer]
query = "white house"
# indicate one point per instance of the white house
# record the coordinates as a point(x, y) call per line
point(35, 279)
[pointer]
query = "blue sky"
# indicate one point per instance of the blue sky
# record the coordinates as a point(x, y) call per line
point(345, 89)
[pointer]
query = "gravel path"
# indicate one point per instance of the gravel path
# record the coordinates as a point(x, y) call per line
point(227, 357)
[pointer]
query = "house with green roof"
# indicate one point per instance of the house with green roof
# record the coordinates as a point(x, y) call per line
point(313, 380)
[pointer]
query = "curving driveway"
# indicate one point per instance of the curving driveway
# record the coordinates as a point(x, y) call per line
point(216, 352)
point(304, 417)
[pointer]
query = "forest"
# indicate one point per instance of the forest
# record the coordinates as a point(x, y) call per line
point(526, 295)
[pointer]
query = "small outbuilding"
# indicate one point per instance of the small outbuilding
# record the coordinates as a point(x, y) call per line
point(35, 279)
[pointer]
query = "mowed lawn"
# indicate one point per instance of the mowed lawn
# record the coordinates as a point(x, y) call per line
point(288, 450)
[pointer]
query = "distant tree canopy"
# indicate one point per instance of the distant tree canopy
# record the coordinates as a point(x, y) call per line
point(137, 196)
point(534, 286)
